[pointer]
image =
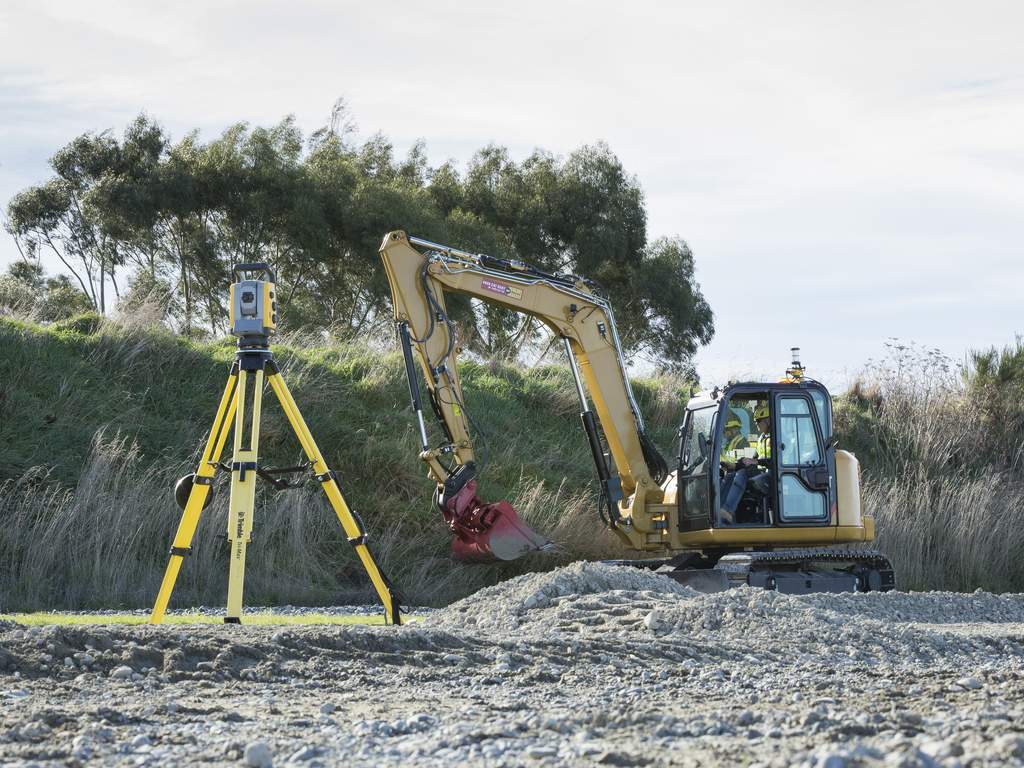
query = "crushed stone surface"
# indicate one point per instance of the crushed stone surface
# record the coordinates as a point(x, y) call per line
point(587, 665)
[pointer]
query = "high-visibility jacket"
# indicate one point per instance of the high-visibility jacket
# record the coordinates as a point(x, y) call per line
point(763, 446)
point(730, 452)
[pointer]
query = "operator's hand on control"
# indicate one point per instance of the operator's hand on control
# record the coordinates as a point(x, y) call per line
point(746, 462)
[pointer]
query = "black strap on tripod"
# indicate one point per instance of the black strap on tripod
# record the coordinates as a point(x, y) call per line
point(267, 473)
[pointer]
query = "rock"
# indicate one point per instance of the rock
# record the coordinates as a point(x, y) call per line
point(123, 672)
point(1009, 745)
point(652, 621)
point(969, 683)
point(622, 759)
point(327, 708)
point(538, 752)
point(257, 755)
point(305, 753)
point(82, 747)
point(34, 732)
point(142, 740)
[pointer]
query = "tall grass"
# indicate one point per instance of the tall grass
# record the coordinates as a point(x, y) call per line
point(943, 484)
point(97, 420)
point(955, 532)
point(105, 544)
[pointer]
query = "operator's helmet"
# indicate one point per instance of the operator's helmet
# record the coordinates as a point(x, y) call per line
point(733, 423)
point(761, 412)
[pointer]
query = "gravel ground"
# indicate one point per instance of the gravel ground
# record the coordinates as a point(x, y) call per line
point(588, 665)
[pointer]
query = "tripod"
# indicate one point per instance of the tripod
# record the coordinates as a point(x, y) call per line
point(254, 363)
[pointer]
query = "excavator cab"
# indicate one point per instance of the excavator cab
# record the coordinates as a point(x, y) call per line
point(775, 473)
point(765, 509)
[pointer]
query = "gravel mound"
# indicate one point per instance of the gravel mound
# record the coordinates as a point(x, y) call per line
point(518, 604)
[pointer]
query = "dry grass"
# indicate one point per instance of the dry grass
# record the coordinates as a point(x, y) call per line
point(105, 544)
point(86, 511)
point(948, 503)
point(953, 533)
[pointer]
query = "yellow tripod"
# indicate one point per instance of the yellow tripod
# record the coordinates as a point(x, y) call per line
point(255, 362)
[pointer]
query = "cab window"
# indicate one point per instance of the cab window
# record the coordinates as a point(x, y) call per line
point(700, 427)
point(798, 441)
point(821, 405)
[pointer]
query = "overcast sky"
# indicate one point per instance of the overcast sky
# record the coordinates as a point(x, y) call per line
point(844, 172)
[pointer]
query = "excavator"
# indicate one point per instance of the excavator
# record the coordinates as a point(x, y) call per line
point(786, 518)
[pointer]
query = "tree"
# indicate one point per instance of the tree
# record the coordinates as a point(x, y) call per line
point(183, 213)
point(69, 214)
point(26, 290)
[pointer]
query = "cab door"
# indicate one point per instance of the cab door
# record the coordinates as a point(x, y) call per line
point(698, 468)
point(799, 456)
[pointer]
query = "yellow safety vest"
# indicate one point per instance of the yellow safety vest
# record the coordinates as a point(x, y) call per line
point(729, 451)
point(764, 446)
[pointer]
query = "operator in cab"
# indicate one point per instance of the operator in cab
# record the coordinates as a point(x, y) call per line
point(733, 461)
point(763, 444)
point(733, 443)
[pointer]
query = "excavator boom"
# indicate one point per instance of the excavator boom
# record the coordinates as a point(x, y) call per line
point(420, 273)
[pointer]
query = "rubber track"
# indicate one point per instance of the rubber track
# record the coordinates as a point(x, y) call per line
point(812, 556)
point(832, 554)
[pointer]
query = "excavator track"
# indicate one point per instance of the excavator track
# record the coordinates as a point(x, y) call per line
point(794, 571)
point(816, 569)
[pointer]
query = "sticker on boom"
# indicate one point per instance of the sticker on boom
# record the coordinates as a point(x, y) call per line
point(505, 290)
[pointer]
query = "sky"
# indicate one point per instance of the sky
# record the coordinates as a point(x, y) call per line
point(845, 172)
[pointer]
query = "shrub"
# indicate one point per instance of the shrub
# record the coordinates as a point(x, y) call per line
point(86, 323)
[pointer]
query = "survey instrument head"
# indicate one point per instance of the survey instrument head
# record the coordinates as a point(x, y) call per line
point(253, 303)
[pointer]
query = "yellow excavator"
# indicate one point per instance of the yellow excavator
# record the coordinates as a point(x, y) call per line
point(759, 494)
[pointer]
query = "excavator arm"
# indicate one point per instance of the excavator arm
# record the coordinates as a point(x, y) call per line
point(420, 273)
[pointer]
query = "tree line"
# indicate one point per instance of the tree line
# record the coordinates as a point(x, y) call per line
point(141, 215)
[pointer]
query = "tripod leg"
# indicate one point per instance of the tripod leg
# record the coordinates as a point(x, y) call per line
point(243, 491)
point(350, 524)
point(197, 498)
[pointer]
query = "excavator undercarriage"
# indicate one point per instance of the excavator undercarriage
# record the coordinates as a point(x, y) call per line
point(792, 571)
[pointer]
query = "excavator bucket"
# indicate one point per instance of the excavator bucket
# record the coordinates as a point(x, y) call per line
point(488, 532)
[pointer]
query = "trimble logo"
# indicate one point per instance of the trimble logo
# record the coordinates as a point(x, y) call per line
point(505, 290)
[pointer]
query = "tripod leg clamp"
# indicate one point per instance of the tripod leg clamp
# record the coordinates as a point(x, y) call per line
point(181, 551)
point(243, 467)
point(200, 480)
point(328, 475)
point(355, 541)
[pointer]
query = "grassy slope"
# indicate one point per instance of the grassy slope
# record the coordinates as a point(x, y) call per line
point(58, 387)
point(150, 397)
point(95, 427)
